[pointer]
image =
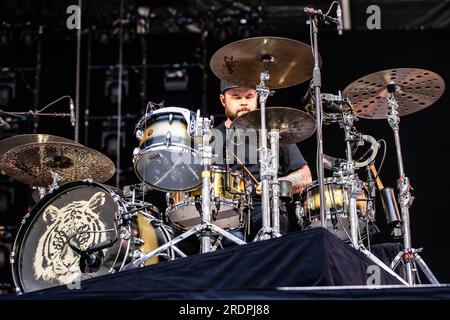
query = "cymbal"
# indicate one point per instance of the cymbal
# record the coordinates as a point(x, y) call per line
point(294, 125)
point(416, 89)
point(241, 62)
point(34, 163)
point(12, 142)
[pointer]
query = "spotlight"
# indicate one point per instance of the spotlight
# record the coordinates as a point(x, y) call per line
point(176, 79)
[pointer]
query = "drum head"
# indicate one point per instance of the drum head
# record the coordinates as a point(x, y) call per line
point(42, 255)
point(169, 169)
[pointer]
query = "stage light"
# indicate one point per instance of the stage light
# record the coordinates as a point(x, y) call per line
point(27, 37)
point(7, 86)
point(5, 38)
point(112, 84)
point(103, 36)
point(109, 136)
point(6, 198)
point(176, 79)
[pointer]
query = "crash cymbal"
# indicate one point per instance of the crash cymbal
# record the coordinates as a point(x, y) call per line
point(12, 142)
point(241, 62)
point(294, 125)
point(416, 89)
point(34, 163)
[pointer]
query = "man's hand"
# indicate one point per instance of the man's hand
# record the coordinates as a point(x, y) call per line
point(259, 189)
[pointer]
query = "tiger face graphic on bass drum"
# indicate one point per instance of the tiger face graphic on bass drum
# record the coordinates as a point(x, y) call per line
point(55, 262)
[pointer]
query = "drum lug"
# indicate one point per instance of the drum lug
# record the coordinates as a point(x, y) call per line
point(11, 257)
point(25, 217)
point(138, 241)
point(168, 138)
point(170, 119)
point(139, 134)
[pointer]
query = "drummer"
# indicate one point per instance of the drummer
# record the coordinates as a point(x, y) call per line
point(292, 166)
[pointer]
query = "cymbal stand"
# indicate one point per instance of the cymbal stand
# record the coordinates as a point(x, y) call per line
point(350, 179)
point(409, 255)
point(274, 137)
point(206, 229)
point(266, 157)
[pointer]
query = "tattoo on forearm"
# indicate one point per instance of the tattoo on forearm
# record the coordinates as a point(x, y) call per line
point(299, 180)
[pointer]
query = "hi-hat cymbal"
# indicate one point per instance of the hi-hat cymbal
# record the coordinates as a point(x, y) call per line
point(416, 89)
point(293, 125)
point(241, 62)
point(36, 163)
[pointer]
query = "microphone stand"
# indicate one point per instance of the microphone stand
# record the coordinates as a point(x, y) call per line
point(317, 84)
point(35, 114)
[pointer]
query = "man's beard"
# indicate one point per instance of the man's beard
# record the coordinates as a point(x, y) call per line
point(239, 113)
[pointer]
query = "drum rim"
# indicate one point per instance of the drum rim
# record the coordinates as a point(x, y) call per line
point(163, 146)
point(179, 110)
point(30, 216)
point(190, 203)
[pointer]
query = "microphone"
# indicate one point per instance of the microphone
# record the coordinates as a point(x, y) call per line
point(312, 11)
point(72, 113)
point(4, 126)
point(333, 102)
point(91, 262)
point(339, 19)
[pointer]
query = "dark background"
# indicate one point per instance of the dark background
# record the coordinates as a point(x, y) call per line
point(406, 39)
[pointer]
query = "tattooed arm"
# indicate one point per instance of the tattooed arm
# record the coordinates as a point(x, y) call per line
point(300, 178)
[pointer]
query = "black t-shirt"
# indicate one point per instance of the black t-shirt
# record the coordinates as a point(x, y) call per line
point(290, 157)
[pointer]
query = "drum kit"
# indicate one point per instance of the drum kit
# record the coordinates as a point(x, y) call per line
point(81, 228)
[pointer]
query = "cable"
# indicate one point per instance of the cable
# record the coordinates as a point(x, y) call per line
point(383, 158)
point(78, 250)
point(52, 103)
point(331, 7)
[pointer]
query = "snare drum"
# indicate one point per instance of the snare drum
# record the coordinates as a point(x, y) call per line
point(337, 198)
point(228, 199)
point(167, 158)
point(86, 213)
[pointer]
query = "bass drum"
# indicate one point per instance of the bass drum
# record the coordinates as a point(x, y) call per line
point(87, 214)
